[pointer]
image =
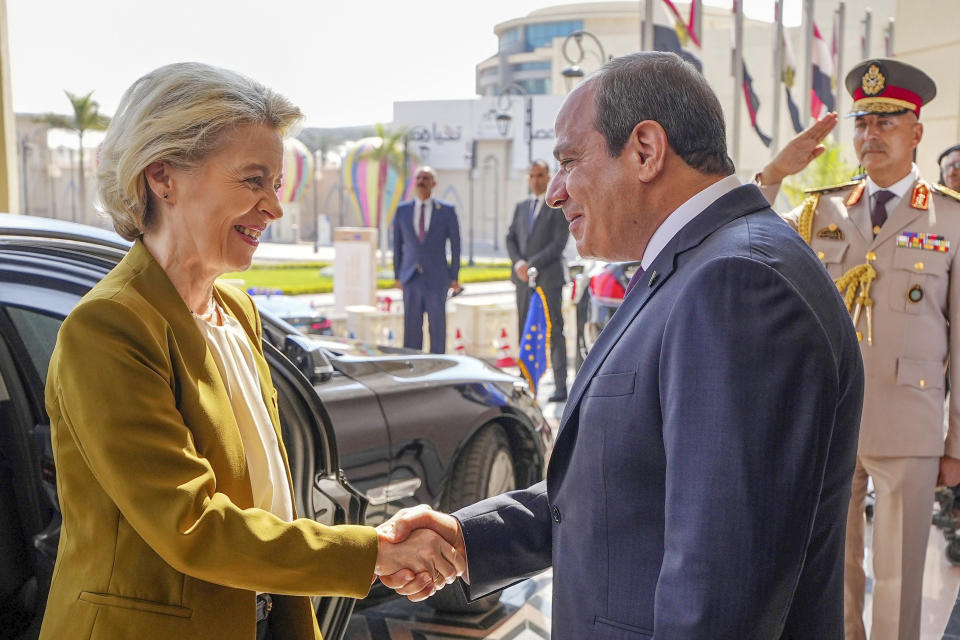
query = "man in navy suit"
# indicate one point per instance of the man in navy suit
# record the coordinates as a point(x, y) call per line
point(699, 483)
point(537, 237)
point(421, 229)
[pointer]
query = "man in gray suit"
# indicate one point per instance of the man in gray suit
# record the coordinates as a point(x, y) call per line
point(536, 239)
point(699, 483)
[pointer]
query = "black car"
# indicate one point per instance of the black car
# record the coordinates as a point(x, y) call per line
point(405, 428)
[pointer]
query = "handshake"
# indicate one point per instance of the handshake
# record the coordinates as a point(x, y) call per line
point(419, 552)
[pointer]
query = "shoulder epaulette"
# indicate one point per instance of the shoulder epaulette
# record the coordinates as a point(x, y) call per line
point(947, 191)
point(836, 187)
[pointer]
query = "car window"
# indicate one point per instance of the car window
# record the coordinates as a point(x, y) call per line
point(38, 332)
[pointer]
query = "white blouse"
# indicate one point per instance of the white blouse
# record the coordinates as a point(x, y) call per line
point(234, 357)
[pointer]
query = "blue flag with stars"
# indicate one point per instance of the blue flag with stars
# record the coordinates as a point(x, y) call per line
point(536, 336)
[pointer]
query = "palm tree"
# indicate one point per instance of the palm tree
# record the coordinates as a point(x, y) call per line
point(390, 153)
point(86, 117)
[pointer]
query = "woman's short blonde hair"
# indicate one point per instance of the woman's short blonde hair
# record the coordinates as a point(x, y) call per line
point(176, 114)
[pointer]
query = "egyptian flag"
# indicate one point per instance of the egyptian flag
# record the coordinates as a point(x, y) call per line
point(753, 105)
point(684, 31)
point(788, 76)
point(671, 34)
point(821, 92)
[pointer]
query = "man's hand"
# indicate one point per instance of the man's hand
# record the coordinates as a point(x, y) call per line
point(949, 472)
point(799, 152)
point(408, 523)
point(521, 268)
point(398, 285)
point(420, 565)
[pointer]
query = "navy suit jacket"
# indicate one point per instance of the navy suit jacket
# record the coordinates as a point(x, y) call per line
point(429, 258)
point(699, 483)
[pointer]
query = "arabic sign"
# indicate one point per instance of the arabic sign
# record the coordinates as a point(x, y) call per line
point(441, 133)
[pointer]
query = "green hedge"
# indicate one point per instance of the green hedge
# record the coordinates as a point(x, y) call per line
point(295, 278)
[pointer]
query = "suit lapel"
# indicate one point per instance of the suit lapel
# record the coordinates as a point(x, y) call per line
point(435, 213)
point(735, 204)
point(526, 231)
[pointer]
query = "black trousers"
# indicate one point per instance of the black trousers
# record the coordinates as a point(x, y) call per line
point(558, 341)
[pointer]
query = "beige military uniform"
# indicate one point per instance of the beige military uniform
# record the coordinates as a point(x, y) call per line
point(907, 340)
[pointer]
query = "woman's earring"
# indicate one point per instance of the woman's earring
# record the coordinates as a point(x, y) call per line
point(165, 196)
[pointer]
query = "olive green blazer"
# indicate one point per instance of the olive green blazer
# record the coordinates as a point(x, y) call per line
point(160, 538)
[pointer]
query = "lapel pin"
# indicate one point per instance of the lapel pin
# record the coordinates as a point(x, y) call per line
point(653, 278)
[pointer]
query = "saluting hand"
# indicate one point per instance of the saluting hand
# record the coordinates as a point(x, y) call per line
point(799, 152)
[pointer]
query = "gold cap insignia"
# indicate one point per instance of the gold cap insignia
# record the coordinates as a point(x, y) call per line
point(873, 81)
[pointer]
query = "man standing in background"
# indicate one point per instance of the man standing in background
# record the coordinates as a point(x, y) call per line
point(949, 162)
point(536, 239)
point(421, 230)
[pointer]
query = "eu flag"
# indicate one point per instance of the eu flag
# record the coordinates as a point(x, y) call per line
point(536, 336)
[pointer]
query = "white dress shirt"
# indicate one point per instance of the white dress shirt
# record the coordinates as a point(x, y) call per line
point(537, 207)
point(898, 188)
point(427, 211)
point(230, 347)
point(684, 214)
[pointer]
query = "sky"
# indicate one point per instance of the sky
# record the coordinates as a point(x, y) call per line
point(343, 63)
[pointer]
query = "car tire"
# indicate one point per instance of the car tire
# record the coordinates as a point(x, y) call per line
point(483, 469)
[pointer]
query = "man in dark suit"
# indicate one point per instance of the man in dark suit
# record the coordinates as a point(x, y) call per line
point(699, 483)
point(536, 238)
point(422, 228)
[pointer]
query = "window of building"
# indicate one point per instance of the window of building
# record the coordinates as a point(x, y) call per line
point(542, 34)
point(536, 86)
point(488, 73)
point(511, 40)
point(543, 65)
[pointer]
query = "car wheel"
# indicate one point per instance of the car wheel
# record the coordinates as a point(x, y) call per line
point(484, 468)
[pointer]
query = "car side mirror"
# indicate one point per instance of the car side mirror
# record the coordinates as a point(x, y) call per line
point(308, 357)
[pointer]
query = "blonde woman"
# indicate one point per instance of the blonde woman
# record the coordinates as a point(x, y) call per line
point(178, 511)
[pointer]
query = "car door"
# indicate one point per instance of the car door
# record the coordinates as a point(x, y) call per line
point(30, 316)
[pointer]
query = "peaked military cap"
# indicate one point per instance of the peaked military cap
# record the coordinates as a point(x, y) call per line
point(887, 86)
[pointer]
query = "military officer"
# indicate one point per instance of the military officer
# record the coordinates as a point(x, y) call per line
point(890, 241)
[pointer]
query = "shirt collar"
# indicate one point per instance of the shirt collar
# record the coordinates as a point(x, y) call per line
point(684, 214)
point(898, 188)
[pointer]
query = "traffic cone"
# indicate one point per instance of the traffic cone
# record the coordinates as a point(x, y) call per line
point(458, 347)
point(503, 349)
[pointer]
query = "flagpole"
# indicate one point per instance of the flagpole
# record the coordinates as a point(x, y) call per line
point(647, 42)
point(888, 40)
point(841, 27)
point(865, 41)
point(737, 76)
point(807, 59)
point(698, 20)
point(777, 73)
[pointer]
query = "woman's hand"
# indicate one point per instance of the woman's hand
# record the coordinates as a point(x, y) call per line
point(419, 565)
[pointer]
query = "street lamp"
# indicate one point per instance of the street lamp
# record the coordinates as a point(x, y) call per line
point(575, 71)
point(504, 102)
point(491, 162)
point(25, 148)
